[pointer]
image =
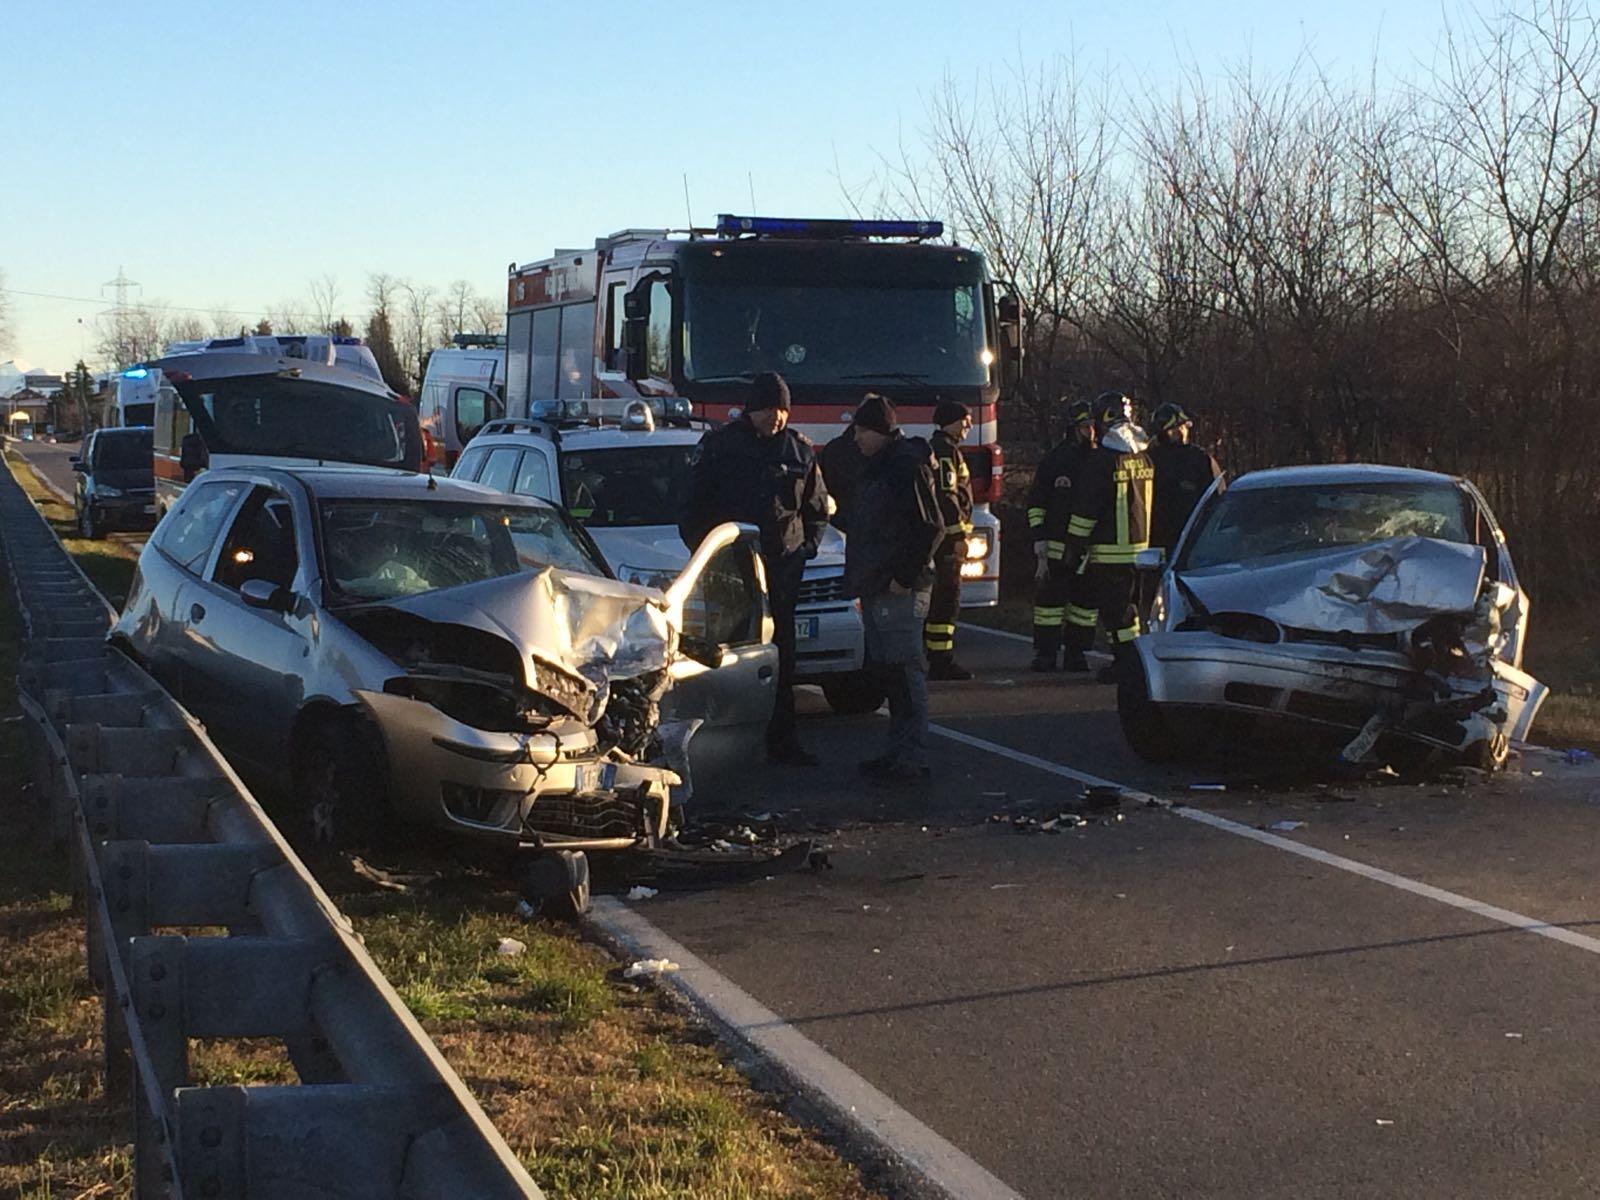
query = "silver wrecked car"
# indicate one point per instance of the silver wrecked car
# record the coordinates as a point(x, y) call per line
point(1376, 605)
point(389, 647)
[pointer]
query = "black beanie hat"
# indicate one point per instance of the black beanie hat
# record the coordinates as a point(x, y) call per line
point(877, 413)
point(948, 412)
point(767, 390)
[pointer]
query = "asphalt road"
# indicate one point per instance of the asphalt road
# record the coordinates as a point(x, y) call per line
point(1166, 1007)
point(53, 460)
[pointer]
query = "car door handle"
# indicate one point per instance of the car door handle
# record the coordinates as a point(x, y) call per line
point(764, 673)
point(197, 612)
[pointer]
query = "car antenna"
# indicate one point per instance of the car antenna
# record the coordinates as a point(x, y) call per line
point(433, 484)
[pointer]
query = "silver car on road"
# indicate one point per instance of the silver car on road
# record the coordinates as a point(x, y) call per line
point(390, 647)
point(1376, 606)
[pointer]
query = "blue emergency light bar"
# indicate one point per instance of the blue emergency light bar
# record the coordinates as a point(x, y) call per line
point(135, 373)
point(731, 226)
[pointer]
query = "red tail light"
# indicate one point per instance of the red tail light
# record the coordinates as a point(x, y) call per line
point(987, 465)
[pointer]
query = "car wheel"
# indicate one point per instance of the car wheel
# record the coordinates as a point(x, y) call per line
point(853, 693)
point(88, 526)
point(1487, 754)
point(338, 791)
point(1147, 728)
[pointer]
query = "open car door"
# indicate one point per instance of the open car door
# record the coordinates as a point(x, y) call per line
point(726, 673)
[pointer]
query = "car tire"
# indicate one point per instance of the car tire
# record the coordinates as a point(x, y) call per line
point(339, 786)
point(88, 526)
point(557, 884)
point(853, 693)
point(1145, 724)
point(1487, 754)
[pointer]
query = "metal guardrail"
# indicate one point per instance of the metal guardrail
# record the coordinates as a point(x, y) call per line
point(163, 834)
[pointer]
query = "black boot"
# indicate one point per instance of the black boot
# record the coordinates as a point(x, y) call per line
point(1074, 661)
point(942, 666)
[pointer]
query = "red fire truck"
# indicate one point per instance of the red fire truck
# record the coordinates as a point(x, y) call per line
point(685, 319)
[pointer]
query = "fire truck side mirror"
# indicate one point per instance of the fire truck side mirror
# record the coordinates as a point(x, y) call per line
point(636, 330)
point(1010, 331)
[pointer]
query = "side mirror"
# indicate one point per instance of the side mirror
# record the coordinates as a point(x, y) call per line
point(79, 465)
point(259, 593)
point(1149, 559)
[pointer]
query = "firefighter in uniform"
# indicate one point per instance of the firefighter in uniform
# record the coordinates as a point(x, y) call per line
point(1183, 473)
point(954, 482)
point(1061, 601)
point(1110, 522)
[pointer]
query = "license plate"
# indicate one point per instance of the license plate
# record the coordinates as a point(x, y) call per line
point(805, 628)
point(595, 777)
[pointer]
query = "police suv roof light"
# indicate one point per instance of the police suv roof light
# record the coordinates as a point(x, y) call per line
point(637, 416)
point(730, 226)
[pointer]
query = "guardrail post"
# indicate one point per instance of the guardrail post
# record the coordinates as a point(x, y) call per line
point(155, 973)
point(211, 1141)
point(125, 878)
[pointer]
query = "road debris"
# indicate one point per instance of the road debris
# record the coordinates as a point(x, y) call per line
point(649, 967)
point(1286, 826)
point(1208, 787)
point(394, 881)
point(1577, 757)
point(510, 946)
point(526, 911)
point(639, 892)
point(1518, 1036)
point(1383, 1121)
point(1002, 887)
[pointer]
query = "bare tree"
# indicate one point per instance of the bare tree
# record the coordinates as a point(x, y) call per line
point(488, 314)
point(324, 302)
point(415, 335)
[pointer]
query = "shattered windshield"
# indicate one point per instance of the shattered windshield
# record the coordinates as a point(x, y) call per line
point(1250, 523)
point(631, 485)
point(387, 549)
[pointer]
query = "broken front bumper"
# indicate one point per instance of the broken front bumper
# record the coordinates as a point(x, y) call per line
point(1320, 684)
point(537, 789)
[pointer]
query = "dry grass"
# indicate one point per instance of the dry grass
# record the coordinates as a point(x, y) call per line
point(599, 1087)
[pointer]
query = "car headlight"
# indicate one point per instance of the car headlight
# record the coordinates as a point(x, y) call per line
point(655, 577)
point(108, 493)
point(978, 544)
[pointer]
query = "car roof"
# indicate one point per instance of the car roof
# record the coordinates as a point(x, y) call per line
point(122, 430)
point(377, 483)
point(1327, 473)
point(591, 437)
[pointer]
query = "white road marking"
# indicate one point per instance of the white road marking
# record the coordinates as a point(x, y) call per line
point(1427, 891)
point(854, 1103)
point(999, 633)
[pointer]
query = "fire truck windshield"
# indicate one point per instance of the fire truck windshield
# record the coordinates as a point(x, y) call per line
point(842, 313)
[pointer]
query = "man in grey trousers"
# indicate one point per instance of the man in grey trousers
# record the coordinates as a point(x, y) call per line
point(895, 527)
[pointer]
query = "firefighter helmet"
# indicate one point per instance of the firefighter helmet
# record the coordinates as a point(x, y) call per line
point(1080, 412)
point(1169, 416)
point(1112, 408)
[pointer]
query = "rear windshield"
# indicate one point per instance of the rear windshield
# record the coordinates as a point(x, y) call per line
point(628, 485)
point(123, 451)
point(284, 417)
point(1250, 523)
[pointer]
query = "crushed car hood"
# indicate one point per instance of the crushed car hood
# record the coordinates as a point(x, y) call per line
point(1377, 587)
point(589, 629)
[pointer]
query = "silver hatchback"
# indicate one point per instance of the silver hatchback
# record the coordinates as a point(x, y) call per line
point(390, 648)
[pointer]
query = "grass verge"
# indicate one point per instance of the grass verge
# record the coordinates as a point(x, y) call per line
point(602, 1089)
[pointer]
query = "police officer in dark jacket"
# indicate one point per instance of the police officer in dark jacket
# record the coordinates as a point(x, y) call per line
point(954, 482)
point(895, 529)
point(841, 462)
point(1063, 600)
point(758, 471)
point(1183, 473)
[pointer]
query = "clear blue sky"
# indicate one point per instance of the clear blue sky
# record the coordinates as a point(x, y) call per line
point(226, 155)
